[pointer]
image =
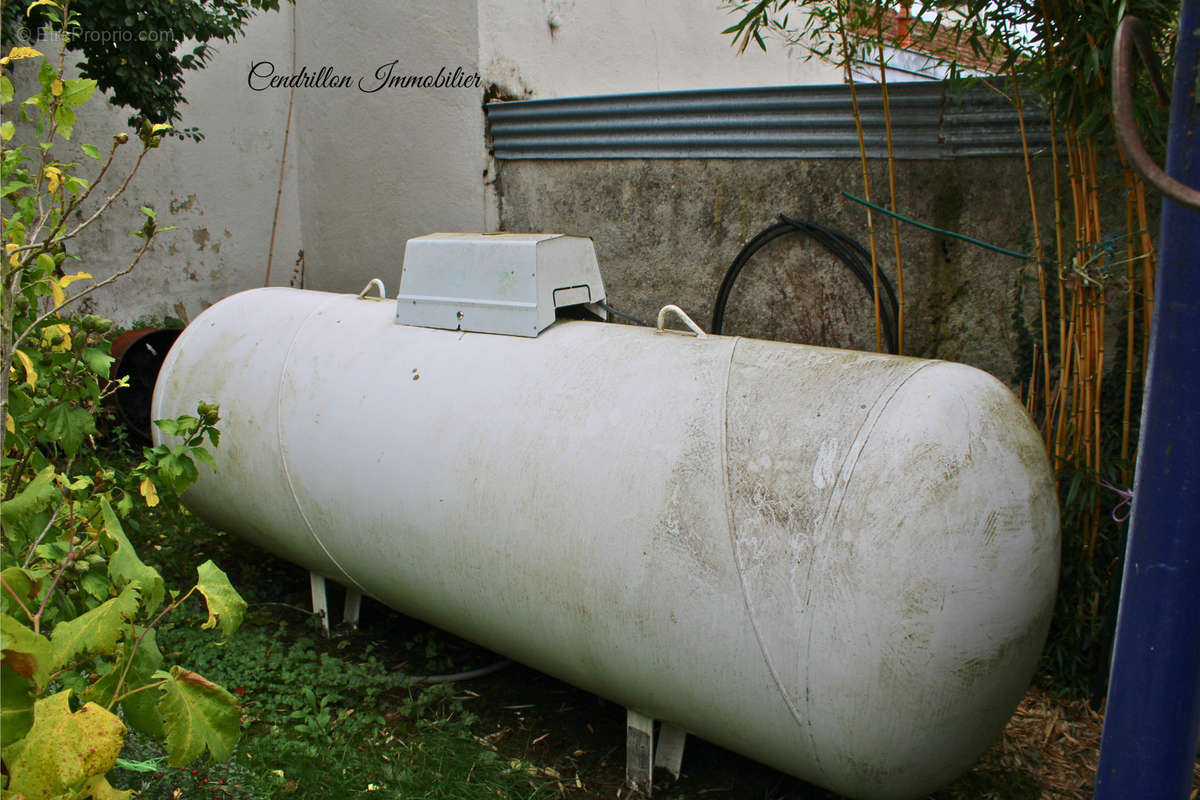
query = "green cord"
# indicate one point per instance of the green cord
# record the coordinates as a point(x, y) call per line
point(991, 247)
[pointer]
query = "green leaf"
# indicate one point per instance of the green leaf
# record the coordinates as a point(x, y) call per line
point(140, 709)
point(90, 150)
point(67, 424)
point(146, 660)
point(16, 705)
point(46, 73)
point(65, 118)
point(97, 631)
point(77, 91)
point(29, 654)
point(6, 89)
point(97, 360)
point(225, 606)
point(202, 455)
point(7, 131)
point(36, 495)
point(25, 586)
point(14, 186)
point(142, 714)
point(197, 714)
point(74, 185)
point(124, 566)
point(95, 583)
point(63, 749)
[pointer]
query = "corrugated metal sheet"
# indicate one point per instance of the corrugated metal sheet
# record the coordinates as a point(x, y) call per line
point(929, 121)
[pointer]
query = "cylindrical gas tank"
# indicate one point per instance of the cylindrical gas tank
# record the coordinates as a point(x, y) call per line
point(841, 564)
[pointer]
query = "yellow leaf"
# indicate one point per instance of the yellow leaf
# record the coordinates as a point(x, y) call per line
point(17, 53)
point(32, 6)
point(15, 258)
point(52, 332)
point(67, 280)
point(9, 424)
point(58, 286)
point(30, 372)
point(101, 789)
point(56, 87)
point(53, 174)
point(149, 492)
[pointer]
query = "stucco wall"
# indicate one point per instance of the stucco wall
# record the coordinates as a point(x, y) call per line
point(666, 231)
point(377, 168)
point(365, 170)
point(220, 192)
point(564, 48)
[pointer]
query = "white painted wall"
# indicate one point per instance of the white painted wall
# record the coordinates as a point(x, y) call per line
point(567, 48)
point(220, 192)
point(378, 168)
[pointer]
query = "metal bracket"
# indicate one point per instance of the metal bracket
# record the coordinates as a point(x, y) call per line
point(641, 756)
point(679, 312)
point(378, 284)
point(320, 602)
point(669, 753)
point(351, 607)
point(639, 751)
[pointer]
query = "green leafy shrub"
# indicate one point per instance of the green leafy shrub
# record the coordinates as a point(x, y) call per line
point(78, 607)
point(139, 53)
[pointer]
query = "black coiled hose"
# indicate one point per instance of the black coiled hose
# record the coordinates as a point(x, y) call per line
point(841, 246)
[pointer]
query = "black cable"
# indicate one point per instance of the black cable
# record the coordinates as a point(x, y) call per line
point(622, 314)
point(841, 246)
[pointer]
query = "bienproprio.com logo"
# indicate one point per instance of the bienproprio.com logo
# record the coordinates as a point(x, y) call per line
point(30, 37)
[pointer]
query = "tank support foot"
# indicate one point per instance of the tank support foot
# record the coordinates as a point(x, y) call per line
point(641, 755)
point(669, 752)
point(639, 751)
point(351, 608)
point(320, 603)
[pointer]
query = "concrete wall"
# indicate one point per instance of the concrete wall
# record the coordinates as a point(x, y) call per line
point(666, 231)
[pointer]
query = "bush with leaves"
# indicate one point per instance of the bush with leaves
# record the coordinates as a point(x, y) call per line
point(78, 607)
point(139, 51)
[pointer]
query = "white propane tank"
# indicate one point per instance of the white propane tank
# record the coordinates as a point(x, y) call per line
point(838, 563)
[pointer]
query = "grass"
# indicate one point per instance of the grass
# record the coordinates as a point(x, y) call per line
point(321, 724)
point(322, 718)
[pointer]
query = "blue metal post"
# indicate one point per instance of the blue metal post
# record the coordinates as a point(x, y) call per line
point(1153, 709)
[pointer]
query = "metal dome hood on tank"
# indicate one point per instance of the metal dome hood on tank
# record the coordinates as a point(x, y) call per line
point(841, 564)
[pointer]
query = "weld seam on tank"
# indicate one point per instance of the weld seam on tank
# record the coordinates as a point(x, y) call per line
point(739, 568)
point(803, 717)
point(860, 441)
point(822, 535)
point(345, 578)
